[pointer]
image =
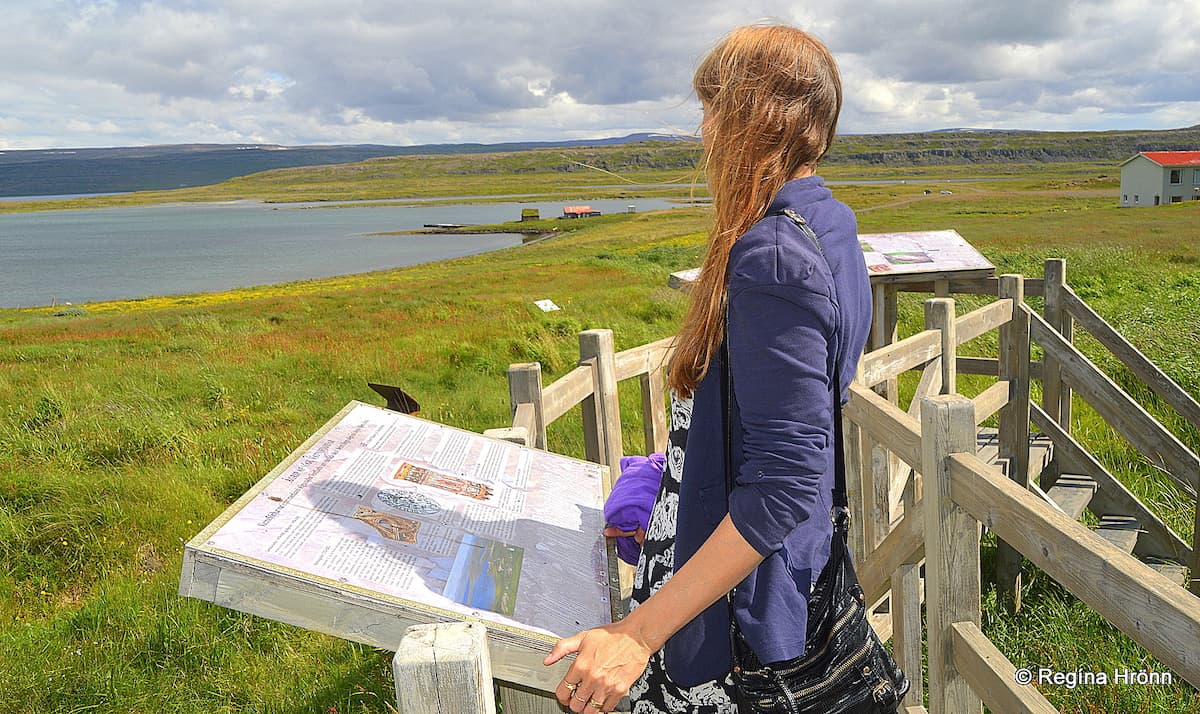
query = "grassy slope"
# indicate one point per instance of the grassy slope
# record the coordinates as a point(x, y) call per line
point(123, 431)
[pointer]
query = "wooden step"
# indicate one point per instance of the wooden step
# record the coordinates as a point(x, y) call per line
point(1121, 531)
point(1174, 572)
point(987, 448)
point(1073, 493)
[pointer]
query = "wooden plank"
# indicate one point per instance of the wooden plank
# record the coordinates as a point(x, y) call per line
point(525, 417)
point(992, 675)
point(881, 622)
point(1116, 407)
point(1014, 422)
point(515, 434)
point(857, 475)
point(991, 400)
point(525, 387)
point(1053, 394)
point(642, 359)
point(988, 366)
point(905, 544)
point(515, 699)
point(939, 315)
point(1194, 583)
point(964, 277)
point(654, 411)
point(444, 668)
point(971, 286)
point(1157, 538)
point(983, 320)
point(886, 422)
point(1132, 357)
point(1073, 493)
point(566, 392)
point(1137, 600)
point(1174, 572)
point(952, 580)
point(930, 384)
point(1120, 531)
point(906, 628)
point(885, 362)
point(598, 345)
point(883, 464)
point(360, 618)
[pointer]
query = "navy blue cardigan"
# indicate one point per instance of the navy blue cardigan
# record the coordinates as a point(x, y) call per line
point(787, 323)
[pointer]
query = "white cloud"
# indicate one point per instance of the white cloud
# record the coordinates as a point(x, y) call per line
point(83, 73)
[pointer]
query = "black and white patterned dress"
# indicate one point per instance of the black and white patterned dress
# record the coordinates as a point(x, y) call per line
point(654, 692)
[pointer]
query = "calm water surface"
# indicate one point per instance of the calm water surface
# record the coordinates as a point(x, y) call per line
point(119, 253)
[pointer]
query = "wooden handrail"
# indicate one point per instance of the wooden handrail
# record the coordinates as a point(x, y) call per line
point(905, 544)
point(566, 392)
point(887, 423)
point(1132, 357)
point(991, 675)
point(1120, 410)
point(1140, 602)
point(899, 357)
point(990, 400)
point(643, 359)
point(983, 320)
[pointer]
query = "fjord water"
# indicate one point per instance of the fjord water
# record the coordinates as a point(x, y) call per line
point(121, 253)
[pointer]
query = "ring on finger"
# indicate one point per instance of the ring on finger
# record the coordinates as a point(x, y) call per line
point(578, 699)
point(571, 686)
point(596, 704)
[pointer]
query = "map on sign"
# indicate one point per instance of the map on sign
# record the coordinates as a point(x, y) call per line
point(901, 254)
point(920, 252)
point(387, 503)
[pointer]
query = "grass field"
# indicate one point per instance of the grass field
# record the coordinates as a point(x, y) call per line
point(127, 426)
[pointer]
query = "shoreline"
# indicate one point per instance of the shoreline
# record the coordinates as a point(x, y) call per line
point(68, 309)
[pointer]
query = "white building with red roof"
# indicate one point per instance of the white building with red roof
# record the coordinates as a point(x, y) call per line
point(1155, 177)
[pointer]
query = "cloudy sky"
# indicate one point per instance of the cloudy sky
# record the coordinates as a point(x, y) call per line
point(79, 73)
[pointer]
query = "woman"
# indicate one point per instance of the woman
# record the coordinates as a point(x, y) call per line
point(771, 98)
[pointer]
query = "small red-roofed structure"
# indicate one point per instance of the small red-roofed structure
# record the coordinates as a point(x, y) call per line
point(579, 212)
point(1153, 178)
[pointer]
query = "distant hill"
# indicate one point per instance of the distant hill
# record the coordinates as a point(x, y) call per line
point(970, 146)
point(71, 171)
point(45, 172)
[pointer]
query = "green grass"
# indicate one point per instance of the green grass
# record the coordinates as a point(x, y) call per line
point(125, 429)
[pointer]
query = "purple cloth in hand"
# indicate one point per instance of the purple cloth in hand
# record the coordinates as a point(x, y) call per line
point(628, 506)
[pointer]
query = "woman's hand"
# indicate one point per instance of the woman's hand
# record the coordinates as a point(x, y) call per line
point(610, 660)
point(639, 535)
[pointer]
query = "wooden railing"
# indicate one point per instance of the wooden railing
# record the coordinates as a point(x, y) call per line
point(921, 493)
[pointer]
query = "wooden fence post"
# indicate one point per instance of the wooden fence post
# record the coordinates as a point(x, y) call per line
point(1056, 396)
point(444, 668)
point(939, 315)
point(601, 411)
point(1013, 438)
point(654, 410)
point(525, 387)
point(857, 479)
point(952, 584)
point(883, 465)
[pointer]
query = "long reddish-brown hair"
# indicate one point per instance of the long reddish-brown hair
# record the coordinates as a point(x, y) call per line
point(771, 96)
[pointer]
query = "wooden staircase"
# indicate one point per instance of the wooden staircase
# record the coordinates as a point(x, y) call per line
point(1121, 519)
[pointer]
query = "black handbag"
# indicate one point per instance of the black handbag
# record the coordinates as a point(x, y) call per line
point(845, 669)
